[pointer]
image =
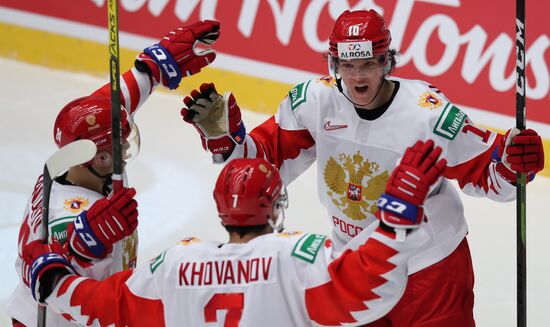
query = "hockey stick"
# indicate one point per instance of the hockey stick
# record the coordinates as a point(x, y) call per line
point(114, 67)
point(72, 154)
point(116, 130)
point(521, 218)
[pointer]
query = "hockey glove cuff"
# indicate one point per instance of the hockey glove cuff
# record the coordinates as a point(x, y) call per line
point(176, 55)
point(43, 265)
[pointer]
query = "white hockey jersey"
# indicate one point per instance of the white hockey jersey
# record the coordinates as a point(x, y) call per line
point(67, 202)
point(355, 157)
point(286, 279)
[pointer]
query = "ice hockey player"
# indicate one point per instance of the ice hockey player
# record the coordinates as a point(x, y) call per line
point(80, 203)
point(356, 124)
point(258, 278)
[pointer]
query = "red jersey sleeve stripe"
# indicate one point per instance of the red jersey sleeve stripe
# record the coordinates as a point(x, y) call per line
point(280, 144)
point(354, 276)
point(118, 305)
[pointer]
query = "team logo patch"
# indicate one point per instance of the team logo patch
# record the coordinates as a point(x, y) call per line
point(156, 262)
point(297, 95)
point(289, 233)
point(354, 184)
point(308, 246)
point(189, 240)
point(76, 205)
point(327, 81)
point(449, 122)
point(58, 228)
point(429, 100)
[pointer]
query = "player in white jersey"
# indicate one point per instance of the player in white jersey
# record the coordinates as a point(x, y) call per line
point(260, 277)
point(83, 189)
point(356, 124)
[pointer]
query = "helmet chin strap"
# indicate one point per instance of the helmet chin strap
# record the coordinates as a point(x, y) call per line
point(108, 179)
point(341, 89)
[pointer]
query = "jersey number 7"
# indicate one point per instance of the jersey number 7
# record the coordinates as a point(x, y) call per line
point(232, 302)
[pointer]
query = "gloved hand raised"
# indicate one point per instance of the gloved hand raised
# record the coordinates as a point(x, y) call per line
point(401, 204)
point(216, 118)
point(42, 265)
point(176, 55)
point(110, 219)
point(522, 152)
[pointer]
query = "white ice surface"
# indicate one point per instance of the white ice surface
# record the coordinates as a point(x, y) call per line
point(174, 179)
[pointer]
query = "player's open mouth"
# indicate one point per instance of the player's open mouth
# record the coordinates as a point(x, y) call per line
point(361, 89)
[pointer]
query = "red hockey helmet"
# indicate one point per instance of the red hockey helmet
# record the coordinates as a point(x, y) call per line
point(248, 193)
point(359, 26)
point(90, 118)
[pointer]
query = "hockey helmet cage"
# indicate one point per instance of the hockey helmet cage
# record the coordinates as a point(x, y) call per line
point(90, 118)
point(249, 192)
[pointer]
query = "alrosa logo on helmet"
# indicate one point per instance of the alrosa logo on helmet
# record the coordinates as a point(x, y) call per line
point(355, 50)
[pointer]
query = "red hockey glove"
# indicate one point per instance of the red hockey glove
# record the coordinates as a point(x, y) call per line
point(110, 219)
point(42, 265)
point(217, 118)
point(408, 186)
point(176, 55)
point(523, 153)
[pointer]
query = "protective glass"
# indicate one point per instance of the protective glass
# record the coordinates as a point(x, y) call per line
point(360, 67)
point(131, 146)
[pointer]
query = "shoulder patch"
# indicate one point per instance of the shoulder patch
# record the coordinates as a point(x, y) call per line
point(449, 122)
point(156, 262)
point(289, 233)
point(76, 204)
point(297, 95)
point(308, 246)
point(429, 100)
point(327, 81)
point(189, 240)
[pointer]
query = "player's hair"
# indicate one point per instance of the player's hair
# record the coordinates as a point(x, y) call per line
point(245, 230)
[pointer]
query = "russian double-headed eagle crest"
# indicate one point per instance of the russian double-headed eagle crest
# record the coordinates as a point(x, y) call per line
point(354, 184)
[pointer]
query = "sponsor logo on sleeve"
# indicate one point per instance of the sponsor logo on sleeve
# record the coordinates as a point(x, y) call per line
point(308, 246)
point(450, 122)
point(58, 228)
point(297, 95)
point(156, 262)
